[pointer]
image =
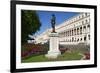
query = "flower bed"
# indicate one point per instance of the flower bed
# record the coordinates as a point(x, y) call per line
point(87, 56)
point(63, 50)
point(32, 50)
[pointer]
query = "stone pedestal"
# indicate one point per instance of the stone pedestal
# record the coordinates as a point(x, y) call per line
point(54, 51)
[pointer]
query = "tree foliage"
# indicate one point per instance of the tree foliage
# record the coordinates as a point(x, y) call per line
point(30, 24)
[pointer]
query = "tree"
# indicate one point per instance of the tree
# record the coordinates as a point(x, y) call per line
point(30, 24)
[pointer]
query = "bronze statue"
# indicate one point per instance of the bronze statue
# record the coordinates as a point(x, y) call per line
point(53, 22)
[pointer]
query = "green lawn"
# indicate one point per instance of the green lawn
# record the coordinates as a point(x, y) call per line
point(63, 57)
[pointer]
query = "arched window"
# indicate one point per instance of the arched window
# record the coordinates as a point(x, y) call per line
point(86, 21)
point(86, 14)
point(72, 32)
point(84, 29)
point(85, 38)
point(72, 39)
point(80, 30)
point(82, 22)
point(81, 39)
point(88, 26)
point(77, 40)
point(77, 31)
point(89, 37)
point(66, 33)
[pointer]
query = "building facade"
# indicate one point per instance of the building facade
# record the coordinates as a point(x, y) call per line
point(75, 30)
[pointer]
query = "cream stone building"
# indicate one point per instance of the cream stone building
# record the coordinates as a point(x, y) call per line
point(75, 30)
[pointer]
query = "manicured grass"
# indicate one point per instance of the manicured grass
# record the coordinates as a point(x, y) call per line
point(70, 56)
point(63, 57)
point(39, 58)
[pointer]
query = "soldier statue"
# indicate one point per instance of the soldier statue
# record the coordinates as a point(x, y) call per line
point(53, 22)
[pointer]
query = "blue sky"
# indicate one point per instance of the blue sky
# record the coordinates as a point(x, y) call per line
point(45, 17)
